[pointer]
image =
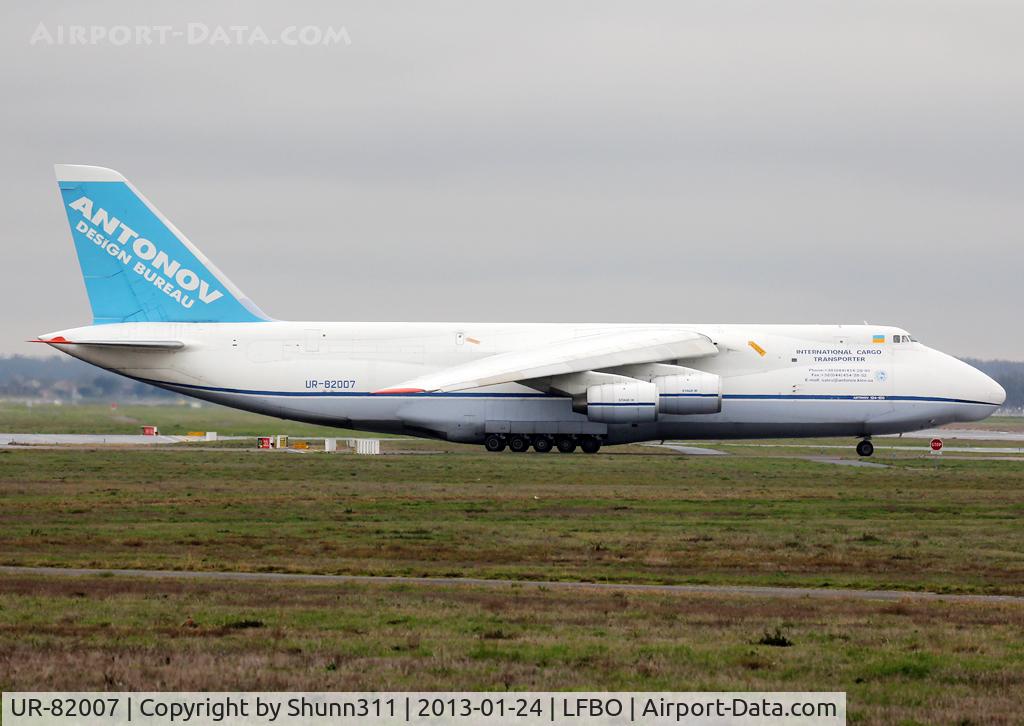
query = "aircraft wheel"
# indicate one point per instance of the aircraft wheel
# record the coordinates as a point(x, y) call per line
point(542, 444)
point(565, 444)
point(518, 443)
point(590, 445)
point(865, 448)
point(493, 442)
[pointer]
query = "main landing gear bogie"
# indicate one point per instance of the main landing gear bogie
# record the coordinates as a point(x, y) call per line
point(541, 443)
point(865, 447)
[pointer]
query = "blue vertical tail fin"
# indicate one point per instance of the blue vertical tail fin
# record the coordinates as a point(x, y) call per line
point(138, 267)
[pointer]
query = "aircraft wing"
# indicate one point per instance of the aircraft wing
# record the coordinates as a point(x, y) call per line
point(573, 355)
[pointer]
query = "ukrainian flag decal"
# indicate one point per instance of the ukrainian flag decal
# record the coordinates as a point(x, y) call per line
point(878, 339)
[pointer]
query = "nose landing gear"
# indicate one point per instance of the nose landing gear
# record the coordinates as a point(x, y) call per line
point(865, 447)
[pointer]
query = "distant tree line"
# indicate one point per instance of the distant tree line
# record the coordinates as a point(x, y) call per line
point(68, 378)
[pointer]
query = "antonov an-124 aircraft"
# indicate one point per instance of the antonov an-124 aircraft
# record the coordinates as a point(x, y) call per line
point(164, 314)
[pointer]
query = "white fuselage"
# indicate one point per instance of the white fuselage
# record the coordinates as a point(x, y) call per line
point(776, 380)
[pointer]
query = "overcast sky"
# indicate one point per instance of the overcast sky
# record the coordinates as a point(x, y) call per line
point(625, 162)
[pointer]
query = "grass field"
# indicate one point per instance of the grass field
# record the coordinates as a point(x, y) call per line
point(759, 516)
point(996, 423)
point(899, 662)
point(950, 526)
point(92, 418)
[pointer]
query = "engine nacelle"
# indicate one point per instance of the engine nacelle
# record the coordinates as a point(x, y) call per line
point(630, 402)
point(689, 393)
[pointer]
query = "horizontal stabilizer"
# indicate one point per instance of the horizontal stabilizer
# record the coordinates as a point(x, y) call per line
point(139, 344)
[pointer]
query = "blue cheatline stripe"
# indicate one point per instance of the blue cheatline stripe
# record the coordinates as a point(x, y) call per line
point(688, 395)
point(824, 397)
point(479, 394)
point(620, 404)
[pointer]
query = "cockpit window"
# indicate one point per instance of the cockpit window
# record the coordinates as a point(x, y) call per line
point(903, 339)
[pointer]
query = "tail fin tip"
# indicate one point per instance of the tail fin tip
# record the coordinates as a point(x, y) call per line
point(82, 173)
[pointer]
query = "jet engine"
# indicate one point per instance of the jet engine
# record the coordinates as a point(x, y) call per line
point(627, 402)
point(689, 393)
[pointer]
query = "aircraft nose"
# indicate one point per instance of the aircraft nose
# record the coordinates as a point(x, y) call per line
point(969, 394)
point(980, 387)
point(997, 392)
